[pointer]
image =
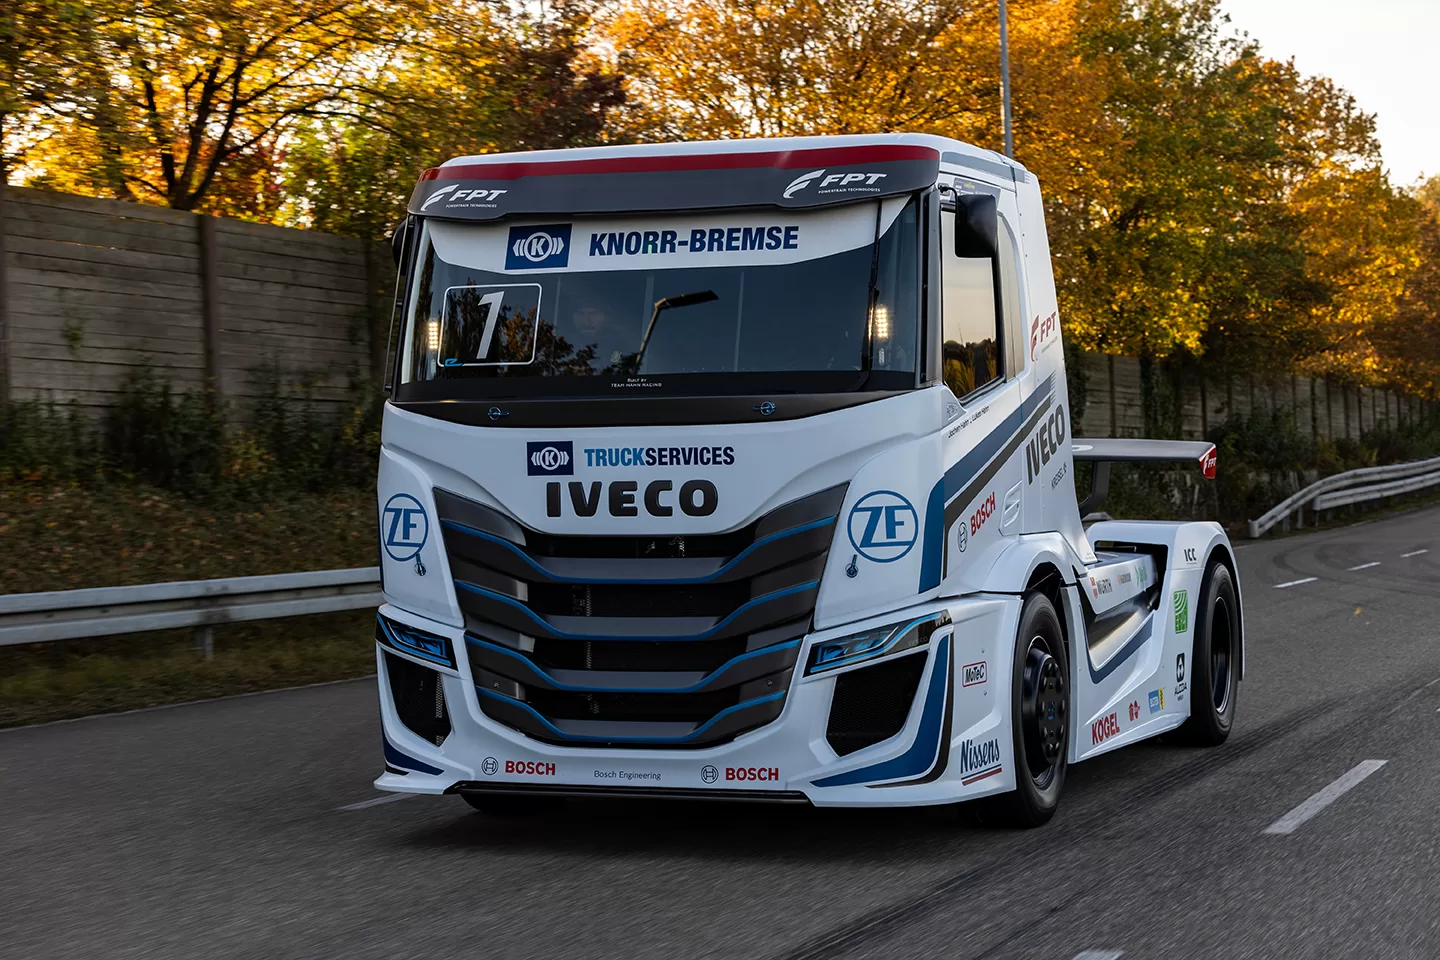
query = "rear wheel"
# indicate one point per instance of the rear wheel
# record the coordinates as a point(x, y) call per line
point(505, 806)
point(1214, 661)
point(1039, 721)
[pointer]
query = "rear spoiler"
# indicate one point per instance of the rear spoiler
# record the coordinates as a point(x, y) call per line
point(1104, 452)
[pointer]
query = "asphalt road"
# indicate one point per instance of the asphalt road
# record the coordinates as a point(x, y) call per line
point(230, 828)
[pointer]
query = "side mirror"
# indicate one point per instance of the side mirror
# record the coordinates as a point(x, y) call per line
point(397, 240)
point(977, 227)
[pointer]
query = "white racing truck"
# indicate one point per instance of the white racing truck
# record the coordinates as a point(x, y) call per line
point(744, 470)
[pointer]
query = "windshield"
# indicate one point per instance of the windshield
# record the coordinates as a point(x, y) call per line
point(727, 303)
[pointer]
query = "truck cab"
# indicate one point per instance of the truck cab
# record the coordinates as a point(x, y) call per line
point(745, 469)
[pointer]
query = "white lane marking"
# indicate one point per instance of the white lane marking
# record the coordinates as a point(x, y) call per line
point(1099, 955)
point(1334, 791)
point(1372, 563)
point(388, 798)
point(1295, 583)
point(1414, 553)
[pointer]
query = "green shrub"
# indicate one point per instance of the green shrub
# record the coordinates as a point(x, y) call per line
point(186, 443)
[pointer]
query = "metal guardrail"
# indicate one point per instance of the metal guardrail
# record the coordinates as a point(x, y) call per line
point(200, 604)
point(1352, 486)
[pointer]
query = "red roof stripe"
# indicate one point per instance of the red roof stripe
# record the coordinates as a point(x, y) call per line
point(782, 160)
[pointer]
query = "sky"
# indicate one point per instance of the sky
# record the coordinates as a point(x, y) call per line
point(1381, 51)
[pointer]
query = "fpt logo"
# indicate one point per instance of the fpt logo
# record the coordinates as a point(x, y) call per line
point(1042, 330)
point(463, 197)
point(835, 182)
point(883, 526)
point(554, 459)
point(534, 248)
point(404, 528)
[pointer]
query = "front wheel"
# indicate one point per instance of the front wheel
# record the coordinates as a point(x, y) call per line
point(1214, 661)
point(1039, 719)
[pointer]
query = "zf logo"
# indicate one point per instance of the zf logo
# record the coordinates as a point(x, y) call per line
point(550, 459)
point(531, 248)
point(1044, 444)
point(405, 527)
point(883, 526)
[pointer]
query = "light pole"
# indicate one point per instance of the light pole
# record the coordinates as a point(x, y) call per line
point(1005, 83)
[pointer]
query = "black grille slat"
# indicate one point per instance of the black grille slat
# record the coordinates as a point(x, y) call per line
point(517, 590)
point(693, 708)
point(692, 655)
point(637, 600)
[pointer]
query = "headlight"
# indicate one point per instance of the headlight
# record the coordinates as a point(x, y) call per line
point(892, 638)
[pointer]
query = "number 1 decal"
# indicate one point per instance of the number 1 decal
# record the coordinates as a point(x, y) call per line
point(492, 316)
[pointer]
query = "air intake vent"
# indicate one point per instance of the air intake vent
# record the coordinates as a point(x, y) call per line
point(419, 699)
point(870, 704)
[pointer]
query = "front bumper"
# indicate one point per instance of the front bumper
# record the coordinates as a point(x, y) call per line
point(954, 744)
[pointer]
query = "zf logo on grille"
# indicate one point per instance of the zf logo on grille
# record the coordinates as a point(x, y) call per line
point(554, 459)
point(531, 248)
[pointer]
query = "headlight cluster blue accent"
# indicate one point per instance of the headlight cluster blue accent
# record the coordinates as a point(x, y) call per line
point(891, 638)
point(417, 643)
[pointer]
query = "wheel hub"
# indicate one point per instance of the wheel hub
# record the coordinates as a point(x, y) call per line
point(1043, 708)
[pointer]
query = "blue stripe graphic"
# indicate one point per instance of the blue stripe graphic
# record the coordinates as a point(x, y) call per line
point(955, 479)
point(578, 688)
point(730, 565)
point(705, 635)
point(585, 738)
point(397, 759)
point(925, 750)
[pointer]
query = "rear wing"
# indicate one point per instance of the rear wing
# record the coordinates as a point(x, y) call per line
point(1104, 452)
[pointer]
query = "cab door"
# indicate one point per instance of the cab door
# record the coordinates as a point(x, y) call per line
point(983, 363)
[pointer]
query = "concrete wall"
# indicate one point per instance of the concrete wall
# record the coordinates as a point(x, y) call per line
point(1114, 402)
point(93, 289)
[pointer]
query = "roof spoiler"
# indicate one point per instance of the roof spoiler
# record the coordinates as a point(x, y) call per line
point(1104, 452)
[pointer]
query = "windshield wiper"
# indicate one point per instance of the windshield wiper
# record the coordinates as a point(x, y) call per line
point(666, 303)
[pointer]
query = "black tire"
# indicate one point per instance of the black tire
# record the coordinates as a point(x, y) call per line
point(1039, 720)
point(1214, 661)
point(507, 806)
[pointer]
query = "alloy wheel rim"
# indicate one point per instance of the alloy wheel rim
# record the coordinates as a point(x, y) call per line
point(1044, 710)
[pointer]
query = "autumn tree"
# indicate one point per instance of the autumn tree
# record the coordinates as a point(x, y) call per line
point(196, 89)
point(493, 80)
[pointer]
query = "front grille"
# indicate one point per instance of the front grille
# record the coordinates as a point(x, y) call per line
point(870, 704)
point(636, 641)
point(419, 699)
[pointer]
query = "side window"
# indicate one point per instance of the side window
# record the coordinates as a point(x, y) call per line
point(1015, 349)
point(970, 333)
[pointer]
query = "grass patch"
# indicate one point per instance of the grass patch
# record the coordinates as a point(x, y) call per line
point(76, 678)
point(67, 536)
